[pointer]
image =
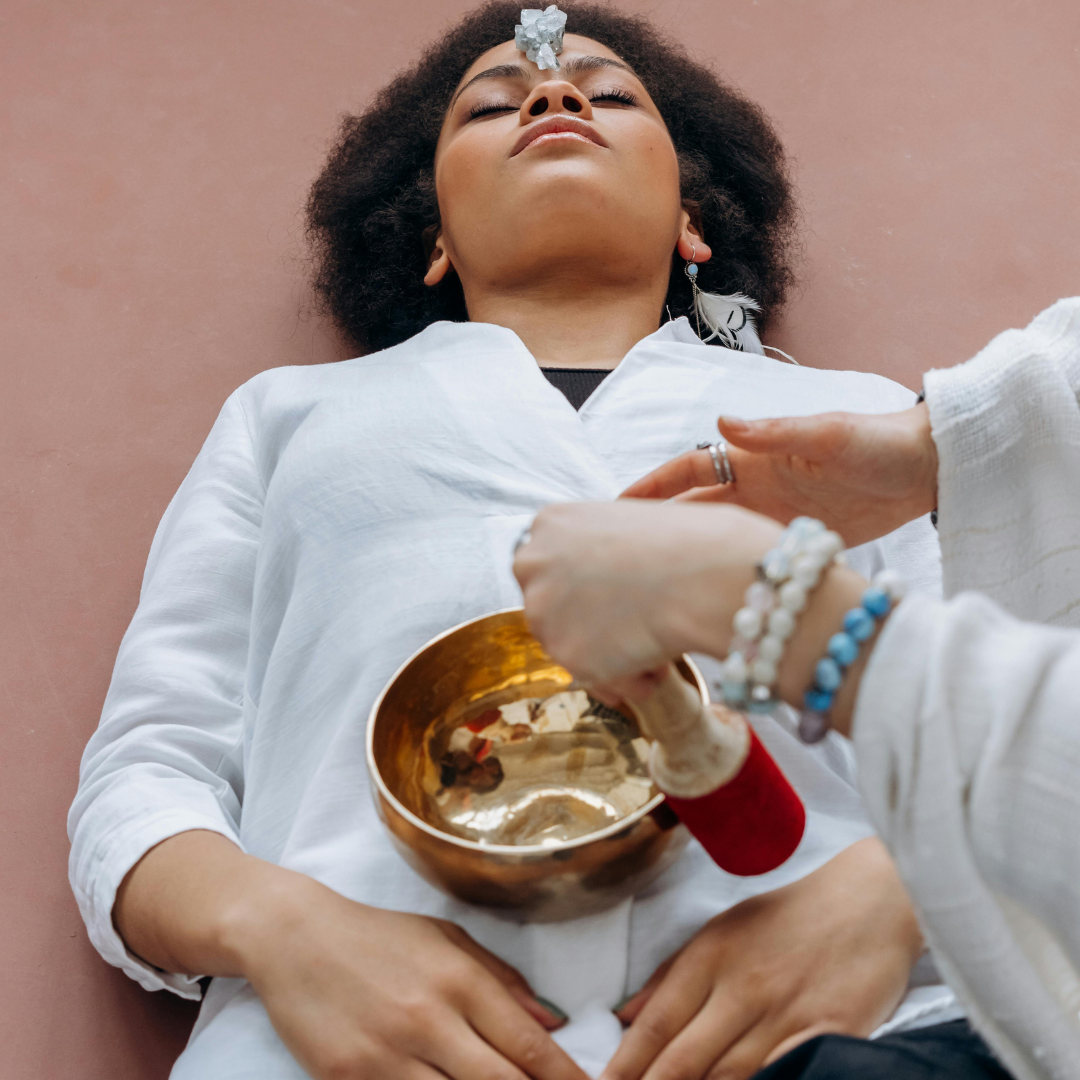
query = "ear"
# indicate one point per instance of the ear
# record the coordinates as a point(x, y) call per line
point(690, 244)
point(439, 264)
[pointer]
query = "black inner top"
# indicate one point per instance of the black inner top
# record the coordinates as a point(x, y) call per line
point(576, 383)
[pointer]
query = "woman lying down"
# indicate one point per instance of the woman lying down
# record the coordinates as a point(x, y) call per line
point(503, 241)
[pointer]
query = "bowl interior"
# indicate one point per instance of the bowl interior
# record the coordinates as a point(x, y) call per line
point(481, 737)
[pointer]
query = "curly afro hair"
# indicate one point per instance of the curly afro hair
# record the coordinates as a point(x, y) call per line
point(373, 210)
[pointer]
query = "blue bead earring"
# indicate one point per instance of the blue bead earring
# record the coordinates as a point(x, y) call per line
point(691, 271)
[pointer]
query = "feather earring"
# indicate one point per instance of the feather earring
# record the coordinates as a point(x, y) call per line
point(726, 317)
point(729, 318)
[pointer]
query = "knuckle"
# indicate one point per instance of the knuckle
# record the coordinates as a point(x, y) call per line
point(653, 1027)
point(501, 1072)
point(511, 978)
point(531, 1049)
point(460, 934)
point(411, 1022)
point(452, 932)
point(678, 1066)
point(332, 1066)
point(455, 977)
point(758, 985)
point(340, 1063)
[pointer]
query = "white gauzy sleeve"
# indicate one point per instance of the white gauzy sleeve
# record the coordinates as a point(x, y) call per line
point(965, 728)
point(968, 750)
point(1007, 429)
point(166, 757)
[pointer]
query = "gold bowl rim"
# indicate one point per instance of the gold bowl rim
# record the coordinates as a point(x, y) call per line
point(521, 850)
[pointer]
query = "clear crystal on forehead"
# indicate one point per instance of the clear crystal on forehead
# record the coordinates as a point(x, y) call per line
point(539, 36)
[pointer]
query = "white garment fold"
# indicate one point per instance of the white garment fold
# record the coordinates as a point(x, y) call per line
point(600, 947)
point(967, 727)
point(337, 518)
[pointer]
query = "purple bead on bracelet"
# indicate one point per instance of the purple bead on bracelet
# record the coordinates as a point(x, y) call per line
point(885, 591)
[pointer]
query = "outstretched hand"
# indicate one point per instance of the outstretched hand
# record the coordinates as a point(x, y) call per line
point(862, 475)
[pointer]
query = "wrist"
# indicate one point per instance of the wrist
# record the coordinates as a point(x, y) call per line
point(267, 908)
point(926, 460)
point(840, 590)
point(710, 626)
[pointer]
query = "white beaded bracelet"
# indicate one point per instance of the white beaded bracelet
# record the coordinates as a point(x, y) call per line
point(787, 575)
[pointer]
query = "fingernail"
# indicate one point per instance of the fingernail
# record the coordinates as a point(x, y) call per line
point(552, 1008)
point(733, 423)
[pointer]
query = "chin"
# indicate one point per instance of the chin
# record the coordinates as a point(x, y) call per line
point(586, 195)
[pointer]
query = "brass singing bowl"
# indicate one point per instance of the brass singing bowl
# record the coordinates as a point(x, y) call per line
point(587, 826)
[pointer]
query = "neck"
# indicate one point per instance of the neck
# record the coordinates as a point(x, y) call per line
point(572, 327)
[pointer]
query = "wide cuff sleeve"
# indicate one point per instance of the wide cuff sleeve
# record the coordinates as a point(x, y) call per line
point(1007, 429)
point(967, 750)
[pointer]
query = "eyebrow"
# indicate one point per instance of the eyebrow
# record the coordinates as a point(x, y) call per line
point(576, 66)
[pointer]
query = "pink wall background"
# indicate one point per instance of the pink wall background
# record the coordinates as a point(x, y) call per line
point(153, 159)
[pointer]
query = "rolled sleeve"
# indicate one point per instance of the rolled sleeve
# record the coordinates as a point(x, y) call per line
point(167, 755)
point(116, 838)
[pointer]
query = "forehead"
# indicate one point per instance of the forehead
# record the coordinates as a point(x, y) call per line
point(508, 53)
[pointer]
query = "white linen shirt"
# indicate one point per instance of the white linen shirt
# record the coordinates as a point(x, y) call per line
point(337, 518)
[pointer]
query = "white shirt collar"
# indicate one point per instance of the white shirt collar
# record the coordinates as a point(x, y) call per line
point(676, 330)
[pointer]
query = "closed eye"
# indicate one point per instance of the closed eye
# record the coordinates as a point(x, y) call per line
point(491, 108)
point(622, 97)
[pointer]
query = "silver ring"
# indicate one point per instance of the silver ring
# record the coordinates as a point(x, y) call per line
point(720, 463)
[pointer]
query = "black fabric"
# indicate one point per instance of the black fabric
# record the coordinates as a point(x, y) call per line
point(576, 383)
point(941, 1052)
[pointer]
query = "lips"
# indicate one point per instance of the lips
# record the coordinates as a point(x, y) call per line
point(558, 126)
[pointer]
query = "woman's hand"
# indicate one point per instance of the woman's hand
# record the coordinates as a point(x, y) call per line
point(355, 992)
point(617, 589)
point(829, 953)
point(862, 475)
point(370, 994)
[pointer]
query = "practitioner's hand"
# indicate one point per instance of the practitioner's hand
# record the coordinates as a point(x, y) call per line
point(862, 475)
point(829, 953)
point(617, 589)
point(367, 994)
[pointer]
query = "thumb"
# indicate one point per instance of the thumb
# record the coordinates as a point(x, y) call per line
point(815, 438)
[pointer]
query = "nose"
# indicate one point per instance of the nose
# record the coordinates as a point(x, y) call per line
point(555, 96)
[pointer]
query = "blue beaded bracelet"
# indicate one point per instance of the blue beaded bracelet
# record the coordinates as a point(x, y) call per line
point(886, 590)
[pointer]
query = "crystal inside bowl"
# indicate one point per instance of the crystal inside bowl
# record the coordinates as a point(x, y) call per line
point(532, 764)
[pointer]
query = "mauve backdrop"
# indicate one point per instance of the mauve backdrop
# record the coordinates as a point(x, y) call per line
point(154, 157)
